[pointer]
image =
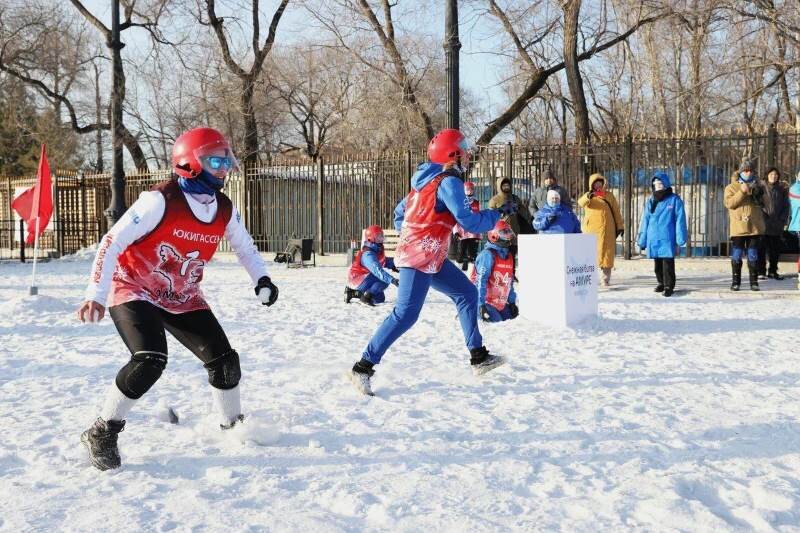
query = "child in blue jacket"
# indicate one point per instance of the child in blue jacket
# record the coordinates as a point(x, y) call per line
point(367, 280)
point(663, 231)
point(494, 276)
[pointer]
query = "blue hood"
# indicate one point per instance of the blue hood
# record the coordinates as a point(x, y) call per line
point(425, 173)
point(502, 252)
point(664, 179)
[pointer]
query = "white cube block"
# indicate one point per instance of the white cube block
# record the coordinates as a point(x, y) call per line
point(558, 278)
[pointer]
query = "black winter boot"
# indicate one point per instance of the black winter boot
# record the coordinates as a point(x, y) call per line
point(752, 270)
point(366, 299)
point(101, 441)
point(482, 361)
point(736, 275)
point(360, 376)
point(349, 294)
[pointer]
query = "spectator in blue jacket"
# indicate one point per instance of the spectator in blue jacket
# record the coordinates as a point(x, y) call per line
point(367, 280)
point(663, 231)
point(494, 276)
point(556, 217)
point(794, 223)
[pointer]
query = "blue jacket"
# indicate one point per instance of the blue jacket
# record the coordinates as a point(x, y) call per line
point(483, 267)
point(565, 222)
point(449, 197)
point(369, 260)
point(661, 230)
point(794, 202)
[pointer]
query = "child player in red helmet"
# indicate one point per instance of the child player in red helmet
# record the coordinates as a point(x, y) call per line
point(494, 276)
point(468, 241)
point(367, 280)
point(425, 219)
point(148, 270)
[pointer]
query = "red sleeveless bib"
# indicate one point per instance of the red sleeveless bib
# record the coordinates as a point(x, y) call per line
point(358, 272)
point(498, 286)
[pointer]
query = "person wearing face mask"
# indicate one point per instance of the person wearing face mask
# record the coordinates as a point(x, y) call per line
point(367, 280)
point(603, 218)
point(776, 215)
point(794, 222)
point(518, 216)
point(494, 276)
point(555, 216)
point(744, 200)
point(148, 270)
point(425, 220)
point(663, 231)
point(468, 241)
point(539, 197)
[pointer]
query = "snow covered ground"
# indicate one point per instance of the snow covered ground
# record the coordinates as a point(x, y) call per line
point(668, 414)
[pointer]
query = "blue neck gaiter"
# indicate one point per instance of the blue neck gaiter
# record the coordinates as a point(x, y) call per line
point(204, 183)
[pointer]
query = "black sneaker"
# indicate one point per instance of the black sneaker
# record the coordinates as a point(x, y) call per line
point(659, 288)
point(101, 441)
point(482, 361)
point(774, 275)
point(236, 420)
point(360, 376)
point(668, 292)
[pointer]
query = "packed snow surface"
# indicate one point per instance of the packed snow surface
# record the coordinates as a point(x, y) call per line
point(665, 414)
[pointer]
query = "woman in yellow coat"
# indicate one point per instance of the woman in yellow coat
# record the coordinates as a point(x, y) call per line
point(603, 218)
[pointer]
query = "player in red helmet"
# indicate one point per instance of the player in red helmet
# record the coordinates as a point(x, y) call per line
point(468, 241)
point(367, 280)
point(425, 219)
point(147, 271)
point(494, 276)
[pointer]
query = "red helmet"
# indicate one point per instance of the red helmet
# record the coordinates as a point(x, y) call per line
point(469, 188)
point(501, 234)
point(373, 234)
point(202, 148)
point(449, 146)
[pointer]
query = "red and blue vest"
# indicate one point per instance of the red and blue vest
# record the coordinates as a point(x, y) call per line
point(358, 272)
point(165, 266)
point(501, 278)
point(425, 234)
point(475, 205)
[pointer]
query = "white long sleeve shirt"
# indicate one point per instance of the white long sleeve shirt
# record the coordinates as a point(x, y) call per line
point(142, 218)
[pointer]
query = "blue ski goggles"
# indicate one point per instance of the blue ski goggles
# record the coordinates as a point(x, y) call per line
point(215, 162)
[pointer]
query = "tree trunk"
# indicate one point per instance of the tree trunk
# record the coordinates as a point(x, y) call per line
point(572, 10)
point(250, 125)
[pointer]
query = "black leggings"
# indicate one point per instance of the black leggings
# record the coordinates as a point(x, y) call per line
point(770, 249)
point(141, 326)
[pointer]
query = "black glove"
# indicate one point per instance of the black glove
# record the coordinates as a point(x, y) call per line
point(265, 283)
point(485, 316)
point(551, 218)
point(620, 232)
point(395, 282)
point(394, 268)
point(514, 310)
point(508, 208)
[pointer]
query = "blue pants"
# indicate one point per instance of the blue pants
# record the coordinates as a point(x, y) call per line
point(375, 287)
point(740, 244)
point(498, 316)
point(411, 294)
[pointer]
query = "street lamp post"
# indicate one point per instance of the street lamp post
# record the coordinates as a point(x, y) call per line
point(116, 206)
point(451, 49)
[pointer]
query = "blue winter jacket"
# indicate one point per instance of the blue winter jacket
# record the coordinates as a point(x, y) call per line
point(369, 260)
point(565, 222)
point(483, 266)
point(665, 228)
point(794, 202)
point(449, 197)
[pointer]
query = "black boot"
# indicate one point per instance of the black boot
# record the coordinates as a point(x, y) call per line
point(752, 270)
point(360, 376)
point(349, 294)
point(366, 299)
point(736, 275)
point(482, 361)
point(101, 441)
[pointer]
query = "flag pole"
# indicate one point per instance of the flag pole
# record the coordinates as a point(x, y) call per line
point(34, 290)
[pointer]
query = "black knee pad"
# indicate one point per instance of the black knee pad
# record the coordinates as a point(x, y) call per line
point(141, 372)
point(224, 371)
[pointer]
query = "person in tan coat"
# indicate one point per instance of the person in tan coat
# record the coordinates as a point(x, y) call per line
point(517, 215)
point(603, 218)
point(744, 199)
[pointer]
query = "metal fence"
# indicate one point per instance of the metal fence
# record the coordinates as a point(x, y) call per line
point(332, 199)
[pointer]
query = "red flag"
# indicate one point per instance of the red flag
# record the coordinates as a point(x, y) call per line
point(36, 202)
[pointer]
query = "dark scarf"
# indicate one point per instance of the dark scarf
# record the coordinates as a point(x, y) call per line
point(658, 196)
point(204, 183)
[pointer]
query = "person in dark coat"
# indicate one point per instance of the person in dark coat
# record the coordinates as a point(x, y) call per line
point(776, 216)
point(663, 231)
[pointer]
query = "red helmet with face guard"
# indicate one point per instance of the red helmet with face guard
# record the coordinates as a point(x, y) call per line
point(449, 146)
point(501, 234)
point(202, 149)
point(373, 234)
point(469, 188)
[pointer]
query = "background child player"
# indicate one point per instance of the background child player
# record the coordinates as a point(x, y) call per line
point(367, 280)
point(494, 276)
